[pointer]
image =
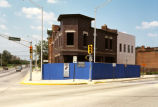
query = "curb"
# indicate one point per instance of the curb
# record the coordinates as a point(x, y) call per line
point(52, 83)
point(26, 82)
point(105, 81)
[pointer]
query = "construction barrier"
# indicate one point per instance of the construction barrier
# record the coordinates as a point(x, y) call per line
point(81, 70)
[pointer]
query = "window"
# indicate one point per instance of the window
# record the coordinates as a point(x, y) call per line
point(124, 47)
point(70, 38)
point(120, 47)
point(110, 43)
point(85, 39)
point(131, 49)
point(106, 43)
point(128, 48)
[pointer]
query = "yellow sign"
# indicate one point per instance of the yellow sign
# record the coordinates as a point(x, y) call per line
point(143, 65)
point(90, 49)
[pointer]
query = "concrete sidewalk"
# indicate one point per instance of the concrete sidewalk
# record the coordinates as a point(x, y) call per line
point(36, 80)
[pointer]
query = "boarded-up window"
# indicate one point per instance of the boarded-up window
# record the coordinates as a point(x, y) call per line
point(106, 43)
point(124, 47)
point(120, 47)
point(85, 38)
point(131, 49)
point(111, 44)
point(70, 38)
point(128, 48)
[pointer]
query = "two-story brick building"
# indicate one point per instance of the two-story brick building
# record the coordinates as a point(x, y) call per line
point(74, 34)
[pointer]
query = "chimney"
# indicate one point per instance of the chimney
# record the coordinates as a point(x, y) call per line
point(55, 28)
point(104, 27)
point(143, 47)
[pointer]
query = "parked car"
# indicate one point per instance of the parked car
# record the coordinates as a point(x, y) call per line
point(5, 68)
point(18, 68)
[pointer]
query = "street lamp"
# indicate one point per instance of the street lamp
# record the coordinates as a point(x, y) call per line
point(41, 32)
point(95, 12)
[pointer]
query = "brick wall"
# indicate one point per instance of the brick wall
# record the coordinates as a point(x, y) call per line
point(147, 56)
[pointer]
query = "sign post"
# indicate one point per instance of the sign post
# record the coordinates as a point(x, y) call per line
point(74, 61)
point(114, 66)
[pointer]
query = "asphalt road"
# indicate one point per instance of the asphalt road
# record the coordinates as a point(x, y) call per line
point(138, 93)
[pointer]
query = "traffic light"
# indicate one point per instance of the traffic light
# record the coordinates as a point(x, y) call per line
point(30, 49)
point(90, 49)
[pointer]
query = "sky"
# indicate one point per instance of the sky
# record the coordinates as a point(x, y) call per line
point(21, 18)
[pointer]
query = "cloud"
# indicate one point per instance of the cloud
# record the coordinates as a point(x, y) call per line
point(35, 13)
point(35, 27)
point(4, 3)
point(38, 37)
point(3, 27)
point(152, 34)
point(147, 25)
point(52, 1)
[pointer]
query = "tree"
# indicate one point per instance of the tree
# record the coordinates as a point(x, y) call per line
point(6, 57)
point(45, 51)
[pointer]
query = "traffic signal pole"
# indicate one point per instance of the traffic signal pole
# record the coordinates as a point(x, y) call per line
point(31, 58)
point(17, 40)
point(90, 51)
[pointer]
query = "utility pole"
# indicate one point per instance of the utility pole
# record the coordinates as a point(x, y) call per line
point(95, 12)
point(40, 7)
point(90, 51)
point(1, 59)
point(36, 59)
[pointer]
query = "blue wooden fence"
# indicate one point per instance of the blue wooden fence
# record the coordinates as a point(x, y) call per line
point(55, 71)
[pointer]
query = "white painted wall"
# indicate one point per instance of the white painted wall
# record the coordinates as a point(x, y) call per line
point(125, 57)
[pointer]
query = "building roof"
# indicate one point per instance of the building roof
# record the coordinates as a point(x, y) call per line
point(147, 49)
point(73, 15)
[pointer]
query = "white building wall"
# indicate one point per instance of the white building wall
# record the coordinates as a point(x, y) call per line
point(125, 57)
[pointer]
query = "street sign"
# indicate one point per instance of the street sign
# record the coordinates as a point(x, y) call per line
point(14, 39)
point(114, 64)
point(143, 65)
point(74, 59)
point(66, 69)
point(45, 61)
point(81, 64)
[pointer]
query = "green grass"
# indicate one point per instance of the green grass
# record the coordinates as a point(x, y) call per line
point(149, 73)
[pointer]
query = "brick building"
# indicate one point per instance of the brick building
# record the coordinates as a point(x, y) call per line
point(147, 57)
point(74, 34)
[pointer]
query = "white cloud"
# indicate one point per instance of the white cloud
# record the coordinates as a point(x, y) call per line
point(124, 32)
point(35, 13)
point(52, 1)
point(3, 27)
point(38, 37)
point(147, 25)
point(152, 34)
point(35, 27)
point(4, 3)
